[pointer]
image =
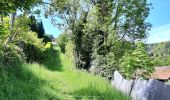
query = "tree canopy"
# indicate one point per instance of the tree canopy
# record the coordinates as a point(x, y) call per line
point(8, 6)
point(137, 63)
point(102, 31)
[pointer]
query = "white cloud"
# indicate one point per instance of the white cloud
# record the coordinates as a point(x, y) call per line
point(159, 34)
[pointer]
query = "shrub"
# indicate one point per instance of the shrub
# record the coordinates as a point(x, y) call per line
point(48, 45)
point(33, 53)
point(11, 57)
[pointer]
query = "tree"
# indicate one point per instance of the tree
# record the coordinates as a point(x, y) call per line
point(10, 7)
point(160, 53)
point(101, 29)
point(33, 23)
point(28, 41)
point(137, 63)
point(37, 26)
point(62, 41)
point(114, 34)
point(4, 29)
point(99, 26)
point(40, 30)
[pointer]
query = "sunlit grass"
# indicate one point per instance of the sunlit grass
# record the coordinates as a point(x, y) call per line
point(43, 82)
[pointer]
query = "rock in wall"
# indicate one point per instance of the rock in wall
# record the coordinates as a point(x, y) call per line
point(140, 89)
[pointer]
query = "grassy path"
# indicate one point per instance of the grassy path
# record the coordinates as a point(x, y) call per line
point(57, 81)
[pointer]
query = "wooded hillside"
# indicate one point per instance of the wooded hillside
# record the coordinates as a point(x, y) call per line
point(160, 53)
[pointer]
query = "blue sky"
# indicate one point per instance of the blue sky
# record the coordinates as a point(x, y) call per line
point(49, 27)
point(159, 18)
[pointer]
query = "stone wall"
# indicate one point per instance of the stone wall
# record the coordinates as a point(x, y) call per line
point(141, 89)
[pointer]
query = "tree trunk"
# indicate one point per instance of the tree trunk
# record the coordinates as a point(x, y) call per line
point(12, 21)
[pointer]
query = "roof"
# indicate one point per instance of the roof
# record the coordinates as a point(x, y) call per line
point(162, 73)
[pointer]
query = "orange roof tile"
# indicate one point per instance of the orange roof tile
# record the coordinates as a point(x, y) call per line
point(162, 73)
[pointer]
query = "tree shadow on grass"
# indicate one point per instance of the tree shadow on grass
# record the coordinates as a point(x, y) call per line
point(53, 60)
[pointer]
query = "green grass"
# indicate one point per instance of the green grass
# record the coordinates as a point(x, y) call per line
point(57, 79)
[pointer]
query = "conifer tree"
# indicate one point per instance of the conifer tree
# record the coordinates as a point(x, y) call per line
point(137, 63)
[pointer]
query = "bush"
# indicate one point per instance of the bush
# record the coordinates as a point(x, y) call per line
point(48, 45)
point(33, 53)
point(11, 57)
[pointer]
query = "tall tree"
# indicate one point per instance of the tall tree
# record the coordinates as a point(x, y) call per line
point(101, 28)
point(138, 63)
point(10, 7)
point(33, 23)
point(37, 26)
point(41, 30)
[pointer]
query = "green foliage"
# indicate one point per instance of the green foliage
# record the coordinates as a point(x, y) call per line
point(47, 38)
point(127, 66)
point(48, 45)
point(27, 40)
point(40, 82)
point(4, 29)
point(41, 30)
point(135, 61)
point(36, 26)
point(62, 40)
point(11, 58)
point(160, 53)
point(69, 50)
point(23, 34)
point(33, 53)
point(98, 35)
point(8, 6)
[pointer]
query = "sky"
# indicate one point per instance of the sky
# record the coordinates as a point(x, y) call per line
point(49, 27)
point(159, 18)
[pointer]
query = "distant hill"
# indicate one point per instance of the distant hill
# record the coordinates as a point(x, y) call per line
point(160, 53)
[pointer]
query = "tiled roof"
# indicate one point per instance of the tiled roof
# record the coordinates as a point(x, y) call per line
point(162, 73)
